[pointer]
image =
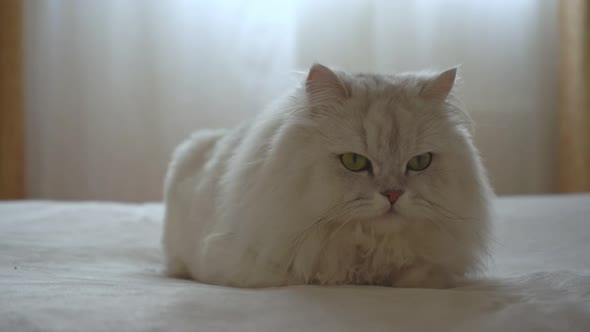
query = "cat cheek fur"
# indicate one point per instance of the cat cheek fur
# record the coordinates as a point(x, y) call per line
point(269, 204)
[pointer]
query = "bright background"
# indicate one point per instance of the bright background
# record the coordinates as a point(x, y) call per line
point(113, 86)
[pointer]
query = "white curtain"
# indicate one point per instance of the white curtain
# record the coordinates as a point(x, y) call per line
point(114, 85)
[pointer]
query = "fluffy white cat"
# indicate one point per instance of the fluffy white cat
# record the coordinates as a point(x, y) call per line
point(350, 179)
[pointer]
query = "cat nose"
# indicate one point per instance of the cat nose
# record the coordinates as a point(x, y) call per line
point(392, 195)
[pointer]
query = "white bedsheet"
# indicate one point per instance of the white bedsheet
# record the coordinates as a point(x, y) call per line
point(95, 267)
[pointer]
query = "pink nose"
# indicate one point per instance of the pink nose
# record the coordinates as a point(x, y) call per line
point(392, 195)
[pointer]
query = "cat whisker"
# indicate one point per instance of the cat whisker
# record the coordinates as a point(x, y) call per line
point(301, 237)
point(452, 214)
point(345, 220)
point(339, 213)
point(448, 216)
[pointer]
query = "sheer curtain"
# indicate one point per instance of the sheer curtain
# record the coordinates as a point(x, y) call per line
point(112, 86)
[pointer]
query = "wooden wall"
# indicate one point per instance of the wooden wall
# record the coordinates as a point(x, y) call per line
point(574, 112)
point(12, 156)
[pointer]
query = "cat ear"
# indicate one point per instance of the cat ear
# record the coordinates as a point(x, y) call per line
point(439, 88)
point(323, 82)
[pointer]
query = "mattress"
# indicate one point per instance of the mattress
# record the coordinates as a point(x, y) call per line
point(97, 267)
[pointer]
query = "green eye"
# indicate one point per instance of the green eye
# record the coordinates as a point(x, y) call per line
point(355, 162)
point(420, 162)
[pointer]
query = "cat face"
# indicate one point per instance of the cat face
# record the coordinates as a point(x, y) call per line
point(392, 151)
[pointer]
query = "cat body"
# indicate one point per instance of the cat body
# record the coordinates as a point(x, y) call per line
point(273, 202)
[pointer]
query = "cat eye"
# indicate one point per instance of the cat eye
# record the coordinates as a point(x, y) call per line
point(355, 162)
point(420, 162)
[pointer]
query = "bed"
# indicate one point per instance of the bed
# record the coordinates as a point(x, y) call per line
point(96, 267)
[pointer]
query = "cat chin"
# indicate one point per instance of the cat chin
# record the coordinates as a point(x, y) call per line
point(390, 221)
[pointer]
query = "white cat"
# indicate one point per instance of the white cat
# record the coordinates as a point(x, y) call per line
point(351, 179)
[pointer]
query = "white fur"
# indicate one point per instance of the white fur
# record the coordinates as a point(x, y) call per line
point(269, 203)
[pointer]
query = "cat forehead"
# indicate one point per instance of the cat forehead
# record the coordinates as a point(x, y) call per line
point(386, 104)
point(379, 126)
point(388, 120)
point(393, 127)
point(382, 111)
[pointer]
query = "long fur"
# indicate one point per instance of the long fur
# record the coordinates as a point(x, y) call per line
point(269, 203)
